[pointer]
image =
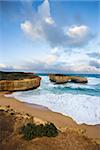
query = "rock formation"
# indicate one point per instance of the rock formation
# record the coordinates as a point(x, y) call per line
point(77, 79)
point(59, 79)
point(18, 81)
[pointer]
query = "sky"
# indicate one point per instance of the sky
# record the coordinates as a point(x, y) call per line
point(50, 36)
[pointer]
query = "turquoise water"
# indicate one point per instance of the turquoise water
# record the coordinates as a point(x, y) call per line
point(79, 101)
point(91, 88)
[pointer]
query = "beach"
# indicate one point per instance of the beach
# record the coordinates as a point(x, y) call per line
point(62, 122)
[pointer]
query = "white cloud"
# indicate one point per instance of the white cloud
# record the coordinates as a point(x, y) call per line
point(34, 28)
point(95, 63)
point(51, 59)
point(4, 67)
point(55, 50)
point(77, 31)
point(60, 39)
point(44, 10)
point(26, 27)
point(49, 20)
point(85, 69)
point(34, 32)
point(53, 65)
point(44, 27)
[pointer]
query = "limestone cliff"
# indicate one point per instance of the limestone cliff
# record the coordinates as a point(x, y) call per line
point(59, 79)
point(18, 81)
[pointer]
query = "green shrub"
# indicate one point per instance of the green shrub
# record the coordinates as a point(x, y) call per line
point(28, 131)
point(50, 130)
point(31, 131)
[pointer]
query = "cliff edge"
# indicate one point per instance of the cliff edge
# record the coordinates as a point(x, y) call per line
point(18, 81)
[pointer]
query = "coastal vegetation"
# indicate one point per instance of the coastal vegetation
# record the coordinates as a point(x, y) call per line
point(16, 75)
point(30, 130)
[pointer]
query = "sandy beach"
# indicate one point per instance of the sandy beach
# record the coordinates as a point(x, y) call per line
point(62, 122)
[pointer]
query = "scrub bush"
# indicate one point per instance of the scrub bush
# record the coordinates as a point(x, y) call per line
point(30, 131)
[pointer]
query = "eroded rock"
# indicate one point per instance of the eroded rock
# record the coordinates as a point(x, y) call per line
point(77, 79)
point(59, 79)
point(18, 81)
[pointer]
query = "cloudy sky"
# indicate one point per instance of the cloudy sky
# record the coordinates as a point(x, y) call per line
point(50, 36)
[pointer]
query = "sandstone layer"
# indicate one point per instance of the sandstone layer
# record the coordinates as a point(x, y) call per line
point(18, 81)
point(59, 79)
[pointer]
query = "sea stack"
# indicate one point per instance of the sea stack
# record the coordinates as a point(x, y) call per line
point(78, 79)
point(60, 79)
point(18, 81)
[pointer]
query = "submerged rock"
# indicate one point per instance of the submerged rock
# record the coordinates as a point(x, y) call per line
point(60, 78)
point(18, 81)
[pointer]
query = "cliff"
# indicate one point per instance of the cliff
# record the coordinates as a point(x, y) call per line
point(59, 79)
point(18, 81)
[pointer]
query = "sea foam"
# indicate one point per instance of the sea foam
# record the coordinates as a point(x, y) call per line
point(82, 108)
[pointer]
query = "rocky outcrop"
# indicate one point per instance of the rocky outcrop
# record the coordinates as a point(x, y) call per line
point(18, 81)
point(77, 79)
point(59, 79)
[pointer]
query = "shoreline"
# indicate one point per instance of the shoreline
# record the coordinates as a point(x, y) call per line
point(29, 104)
point(33, 105)
point(61, 121)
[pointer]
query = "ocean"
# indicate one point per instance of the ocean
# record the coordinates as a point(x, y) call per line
point(81, 102)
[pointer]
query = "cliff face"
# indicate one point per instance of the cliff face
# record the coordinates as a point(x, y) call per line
point(18, 81)
point(58, 79)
